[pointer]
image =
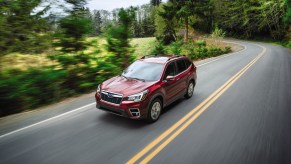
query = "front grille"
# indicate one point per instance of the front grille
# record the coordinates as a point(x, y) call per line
point(111, 97)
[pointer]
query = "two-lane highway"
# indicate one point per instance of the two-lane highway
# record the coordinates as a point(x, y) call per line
point(240, 113)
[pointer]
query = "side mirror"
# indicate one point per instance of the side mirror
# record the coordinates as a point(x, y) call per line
point(170, 78)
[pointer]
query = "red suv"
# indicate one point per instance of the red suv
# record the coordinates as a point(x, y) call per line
point(147, 86)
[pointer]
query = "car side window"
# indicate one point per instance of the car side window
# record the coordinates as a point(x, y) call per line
point(187, 62)
point(170, 70)
point(181, 66)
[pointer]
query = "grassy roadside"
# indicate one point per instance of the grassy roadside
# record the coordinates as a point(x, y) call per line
point(286, 44)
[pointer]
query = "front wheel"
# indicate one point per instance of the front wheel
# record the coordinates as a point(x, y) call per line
point(154, 110)
point(190, 90)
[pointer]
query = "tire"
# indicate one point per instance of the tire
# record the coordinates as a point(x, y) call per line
point(154, 111)
point(190, 90)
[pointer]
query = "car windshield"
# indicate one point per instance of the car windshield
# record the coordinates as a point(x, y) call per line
point(144, 71)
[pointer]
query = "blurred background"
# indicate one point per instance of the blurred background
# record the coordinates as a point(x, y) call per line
point(54, 49)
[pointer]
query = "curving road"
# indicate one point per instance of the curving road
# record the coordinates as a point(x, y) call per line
point(240, 113)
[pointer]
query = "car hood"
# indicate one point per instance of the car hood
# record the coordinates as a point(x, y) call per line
point(125, 86)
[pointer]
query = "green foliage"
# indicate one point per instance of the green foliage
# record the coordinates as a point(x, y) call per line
point(202, 18)
point(218, 33)
point(201, 43)
point(199, 50)
point(287, 17)
point(73, 28)
point(76, 73)
point(166, 24)
point(227, 49)
point(195, 13)
point(176, 47)
point(23, 29)
point(97, 23)
point(156, 2)
point(246, 19)
point(81, 70)
point(184, 9)
point(25, 90)
point(117, 38)
point(159, 49)
point(22, 90)
point(143, 24)
point(251, 18)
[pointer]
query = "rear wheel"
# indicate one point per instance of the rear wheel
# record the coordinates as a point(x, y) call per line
point(154, 110)
point(190, 90)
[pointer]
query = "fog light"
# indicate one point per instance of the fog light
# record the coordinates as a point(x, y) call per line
point(134, 112)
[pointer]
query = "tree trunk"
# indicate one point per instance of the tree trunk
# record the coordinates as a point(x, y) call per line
point(186, 31)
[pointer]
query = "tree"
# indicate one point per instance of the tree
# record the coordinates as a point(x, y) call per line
point(287, 17)
point(156, 2)
point(74, 27)
point(166, 23)
point(117, 38)
point(105, 19)
point(184, 9)
point(271, 16)
point(22, 28)
point(203, 18)
point(251, 18)
point(97, 22)
point(146, 20)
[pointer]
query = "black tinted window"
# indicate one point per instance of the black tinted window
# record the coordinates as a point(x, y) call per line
point(170, 70)
point(144, 70)
point(181, 66)
point(187, 62)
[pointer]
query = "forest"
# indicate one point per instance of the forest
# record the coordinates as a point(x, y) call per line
point(79, 48)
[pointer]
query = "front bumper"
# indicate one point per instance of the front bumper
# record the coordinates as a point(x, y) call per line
point(128, 109)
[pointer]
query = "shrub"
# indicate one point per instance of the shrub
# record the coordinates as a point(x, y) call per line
point(218, 33)
point(159, 49)
point(201, 43)
point(24, 90)
point(227, 49)
point(191, 50)
point(176, 47)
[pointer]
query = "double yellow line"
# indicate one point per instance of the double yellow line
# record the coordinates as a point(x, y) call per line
point(183, 123)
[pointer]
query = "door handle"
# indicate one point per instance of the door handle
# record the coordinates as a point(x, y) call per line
point(178, 79)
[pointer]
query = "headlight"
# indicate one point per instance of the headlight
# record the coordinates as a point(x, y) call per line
point(138, 97)
point(98, 89)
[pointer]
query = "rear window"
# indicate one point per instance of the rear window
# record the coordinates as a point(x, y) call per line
point(181, 66)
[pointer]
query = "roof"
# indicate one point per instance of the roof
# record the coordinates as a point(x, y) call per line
point(162, 59)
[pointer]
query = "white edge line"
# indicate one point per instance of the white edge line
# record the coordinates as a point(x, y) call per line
point(75, 110)
point(245, 48)
point(49, 119)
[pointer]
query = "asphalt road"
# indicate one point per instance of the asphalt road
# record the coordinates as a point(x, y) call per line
point(247, 121)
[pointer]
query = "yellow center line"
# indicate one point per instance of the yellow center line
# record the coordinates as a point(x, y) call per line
point(205, 104)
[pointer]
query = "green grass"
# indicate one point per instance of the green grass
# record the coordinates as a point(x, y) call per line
point(286, 44)
point(143, 46)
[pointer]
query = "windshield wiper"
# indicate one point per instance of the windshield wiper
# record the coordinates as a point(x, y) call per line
point(137, 79)
point(123, 76)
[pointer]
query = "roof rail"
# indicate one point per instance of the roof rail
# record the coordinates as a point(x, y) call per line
point(175, 56)
point(155, 55)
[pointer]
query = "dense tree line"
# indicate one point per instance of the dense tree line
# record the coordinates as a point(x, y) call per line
point(142, 26)
point(26, 26)
point(238, 18)
point(252, 18)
